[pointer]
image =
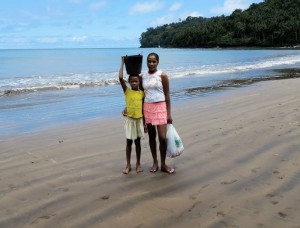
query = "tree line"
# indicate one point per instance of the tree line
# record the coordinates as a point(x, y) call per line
point(272, 23)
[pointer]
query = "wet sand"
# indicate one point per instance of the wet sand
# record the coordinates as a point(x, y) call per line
point(240, 168)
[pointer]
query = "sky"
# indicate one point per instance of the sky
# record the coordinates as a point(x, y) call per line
point(97, 23)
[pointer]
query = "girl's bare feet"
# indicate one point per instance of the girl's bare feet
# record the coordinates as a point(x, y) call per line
point(127, 170)
point(139, 168)
point(154, 168)
point(167, 169)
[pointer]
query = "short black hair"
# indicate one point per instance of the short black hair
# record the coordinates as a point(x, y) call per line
point(156, 56)
point(133, 75)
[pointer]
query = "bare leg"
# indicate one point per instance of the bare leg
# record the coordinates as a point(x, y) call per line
point(162, 132)
point(152, 143)
point(137, 143)
point(128, 156)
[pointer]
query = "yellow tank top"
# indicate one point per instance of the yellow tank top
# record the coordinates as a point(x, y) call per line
point(134, 103)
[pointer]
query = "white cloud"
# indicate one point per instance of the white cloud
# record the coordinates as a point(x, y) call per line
point(48, 40)
point(18, 41)
point(59, 39)
point(79, 39)
point(145, 7)
point(176, 6)
point(190, 14)
point(76, 1)
point(173, 17)
point(163, 20)
point(230, 5)
point(97, 5)
point(29, 15)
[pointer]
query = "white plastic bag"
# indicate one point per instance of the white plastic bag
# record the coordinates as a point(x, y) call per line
point(174, 143)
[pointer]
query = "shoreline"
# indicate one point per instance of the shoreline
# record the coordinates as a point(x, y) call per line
point(240, 167)
point(190, 93)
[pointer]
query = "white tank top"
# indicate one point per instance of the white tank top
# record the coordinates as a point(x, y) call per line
point(153, 87)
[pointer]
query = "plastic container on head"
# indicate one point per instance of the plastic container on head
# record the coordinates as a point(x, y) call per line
point(133, 64)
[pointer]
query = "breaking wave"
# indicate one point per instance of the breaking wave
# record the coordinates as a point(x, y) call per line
point(29, 84)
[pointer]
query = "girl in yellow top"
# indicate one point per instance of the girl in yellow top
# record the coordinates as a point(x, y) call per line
point(133, 124)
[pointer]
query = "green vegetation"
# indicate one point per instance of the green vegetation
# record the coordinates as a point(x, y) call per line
point(272, 23)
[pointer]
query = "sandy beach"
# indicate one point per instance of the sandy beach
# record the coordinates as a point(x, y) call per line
point(240, 168)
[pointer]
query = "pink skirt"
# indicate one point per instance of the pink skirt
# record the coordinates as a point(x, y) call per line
point(155, 113)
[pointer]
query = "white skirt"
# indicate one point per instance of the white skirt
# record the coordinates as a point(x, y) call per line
point(134, 128)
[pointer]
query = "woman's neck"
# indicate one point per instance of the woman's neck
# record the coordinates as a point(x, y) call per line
point(152, 71)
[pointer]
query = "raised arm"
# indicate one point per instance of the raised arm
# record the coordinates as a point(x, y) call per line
point(121, 79)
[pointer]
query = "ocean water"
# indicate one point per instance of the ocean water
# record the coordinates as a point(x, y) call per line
point(40, 88)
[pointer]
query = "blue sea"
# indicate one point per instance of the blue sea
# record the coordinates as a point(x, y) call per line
point(46, 87)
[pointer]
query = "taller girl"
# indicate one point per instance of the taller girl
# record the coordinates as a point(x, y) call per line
point(157, 110)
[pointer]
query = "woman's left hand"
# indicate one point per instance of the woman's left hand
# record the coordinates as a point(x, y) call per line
point(169, 120)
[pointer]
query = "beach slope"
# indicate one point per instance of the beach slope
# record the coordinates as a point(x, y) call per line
point(240, 168)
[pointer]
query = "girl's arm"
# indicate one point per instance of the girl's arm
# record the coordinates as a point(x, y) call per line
point(121, 79)
point(144, 122)
point(165, 83)
point(141, 83)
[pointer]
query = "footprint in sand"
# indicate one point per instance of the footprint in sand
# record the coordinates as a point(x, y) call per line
point(282, 215)
point(13, 187)
point(220, 214)
point(106, 197)
point(254, 170)
point(270, 195)
point(205, 186)
point(64, 189)
point(42, 218)
point(195, 195)
point(229, 182)
point(273, 197)
point(193, 206)
point(280, 176)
